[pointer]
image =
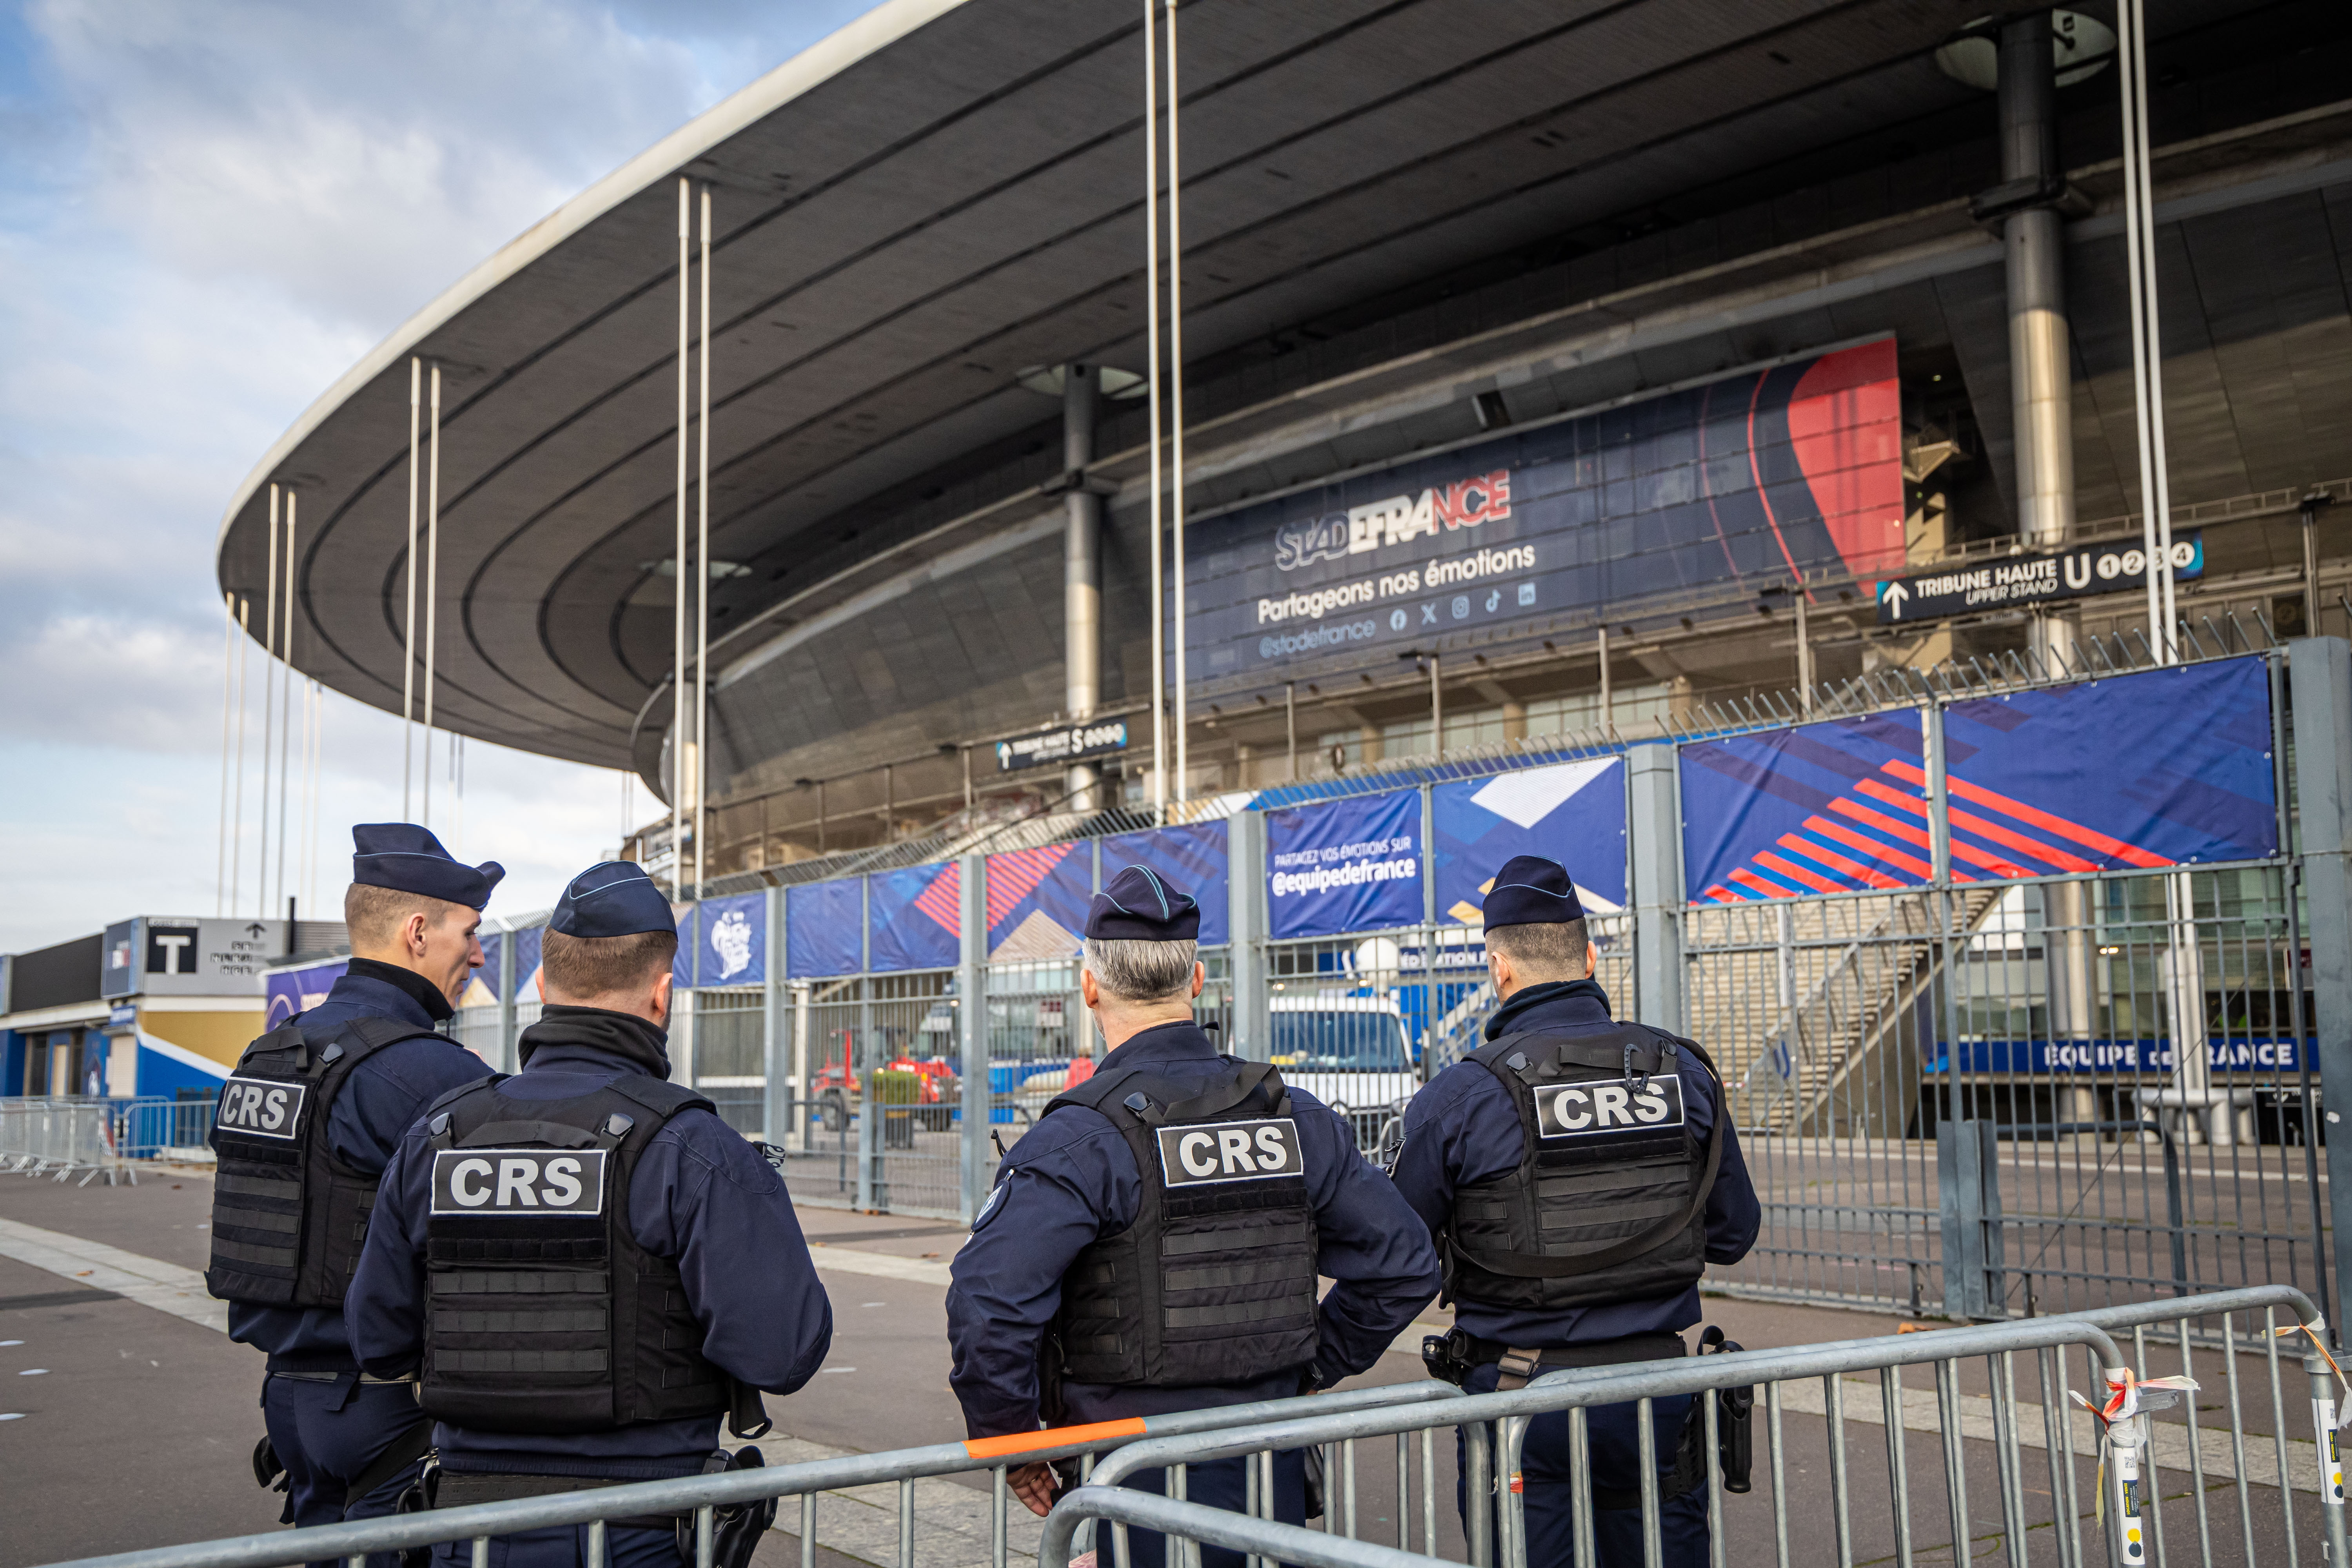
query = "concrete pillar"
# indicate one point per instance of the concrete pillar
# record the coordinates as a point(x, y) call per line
point(2041, 372)
point(1081, 575)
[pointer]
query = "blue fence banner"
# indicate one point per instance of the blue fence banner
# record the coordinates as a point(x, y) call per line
point(825, 924)
point(1191, 858)
point(1573, 813)
point(522, 976)
point(1037, 902)
point(917, 918)
point(291, 991)
point(681, 963)
point(2167, 767)
point(731, 949)
point(1344, 866)
point(1832, 808)
point(2110, 1056)
point(482, 987)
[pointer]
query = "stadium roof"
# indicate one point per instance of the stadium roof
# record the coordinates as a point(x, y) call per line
point(931, 202)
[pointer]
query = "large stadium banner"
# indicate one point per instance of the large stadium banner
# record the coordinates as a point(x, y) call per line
point(1037, 902)
point(1573, 813)
point(1345, 865)
point(731, 947)
point(1745, 483)
point(1191, 857)
point(287, 992)
point(824, 924)
point(2166, 767)
point(915, 918)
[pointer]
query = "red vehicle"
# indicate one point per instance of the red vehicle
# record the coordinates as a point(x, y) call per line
point(938, 1089)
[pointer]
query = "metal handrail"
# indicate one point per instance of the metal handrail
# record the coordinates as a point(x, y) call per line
point(1264, 1538)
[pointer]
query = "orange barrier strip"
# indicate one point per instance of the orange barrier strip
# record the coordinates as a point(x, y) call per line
point(1052, 1438)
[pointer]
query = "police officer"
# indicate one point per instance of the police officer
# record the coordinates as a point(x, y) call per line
point(1578, 1174)
point(1172, 1150)
point(584, 1266)
point(302, 1131)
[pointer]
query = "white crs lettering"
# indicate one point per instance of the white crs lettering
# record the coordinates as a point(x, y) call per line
point(1589, 1110)
point(1231, 1152)
point(516, 1182)
point(257, 1107)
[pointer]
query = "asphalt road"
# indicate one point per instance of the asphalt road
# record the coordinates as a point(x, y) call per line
point(126, 1427)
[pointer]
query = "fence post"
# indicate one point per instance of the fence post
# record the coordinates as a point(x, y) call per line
point(1961, 1158)
point(1245, 927)
point(775, 1054)
point(858, 1063)
point(972, 983)
point(507, 981)
point(2320, 672)
point(1653, 821)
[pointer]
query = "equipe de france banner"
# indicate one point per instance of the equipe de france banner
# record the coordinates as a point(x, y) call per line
point(1345, 865)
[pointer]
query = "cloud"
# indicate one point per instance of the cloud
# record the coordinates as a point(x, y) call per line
point(209, 209)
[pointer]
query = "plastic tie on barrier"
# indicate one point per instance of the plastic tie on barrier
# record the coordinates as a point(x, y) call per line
point(2315, 1332)
point(2123, 1433)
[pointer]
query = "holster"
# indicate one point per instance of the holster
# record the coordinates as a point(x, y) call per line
point(1734, 1438)
point(734, 1531)
point(1448, 1356)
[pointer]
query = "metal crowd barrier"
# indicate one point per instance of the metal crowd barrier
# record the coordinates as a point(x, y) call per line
point(2114, 1484)
point(702, 1495)
point(1813, 1381)
point(55, 1137)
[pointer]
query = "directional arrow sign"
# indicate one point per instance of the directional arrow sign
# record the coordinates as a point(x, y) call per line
point(2008, 581)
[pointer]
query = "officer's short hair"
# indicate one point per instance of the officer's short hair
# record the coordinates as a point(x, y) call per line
point(375, 915)
point(1135, 970)
point(1552, 951)
point(602, 965)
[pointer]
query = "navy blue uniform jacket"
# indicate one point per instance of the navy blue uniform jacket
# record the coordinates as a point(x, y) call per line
point(701, 1197)
point(381, 1099)
point(1462, 1130)
point(1072, 1179)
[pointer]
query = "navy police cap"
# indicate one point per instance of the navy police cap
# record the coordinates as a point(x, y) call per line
point(1530, 890)
point(614, 898)
point(408, 859)
point(1136, 905)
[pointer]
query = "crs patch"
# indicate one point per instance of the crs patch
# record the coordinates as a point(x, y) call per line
point(1608, 1108)
point(261, 1107)
point(1231, 1151)
point(518, 1183)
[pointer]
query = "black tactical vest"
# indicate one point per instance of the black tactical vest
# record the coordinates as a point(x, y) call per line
point(288, 1218)
point(1214, 1282)
point(542, 1313)
point(1609, 1201)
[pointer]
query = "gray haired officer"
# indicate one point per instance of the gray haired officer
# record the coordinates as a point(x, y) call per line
point(1171, 1148)
point(1578, 1176)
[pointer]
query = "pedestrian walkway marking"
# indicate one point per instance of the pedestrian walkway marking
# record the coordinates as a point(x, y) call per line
point(881, 1264)
point(150, 1282)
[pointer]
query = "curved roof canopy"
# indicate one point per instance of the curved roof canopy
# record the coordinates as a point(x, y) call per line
point(930, 203)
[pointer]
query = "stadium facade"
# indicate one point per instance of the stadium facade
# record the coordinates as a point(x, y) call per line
point(1546, 369)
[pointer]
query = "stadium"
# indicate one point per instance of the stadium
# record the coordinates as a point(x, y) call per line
point(1636, 350)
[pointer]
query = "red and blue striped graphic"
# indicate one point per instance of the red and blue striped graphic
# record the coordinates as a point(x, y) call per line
point(2164, 768)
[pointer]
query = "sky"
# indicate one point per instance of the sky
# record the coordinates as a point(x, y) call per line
point(209, 209)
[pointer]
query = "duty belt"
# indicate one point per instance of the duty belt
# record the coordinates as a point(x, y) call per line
point(459, 1488)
